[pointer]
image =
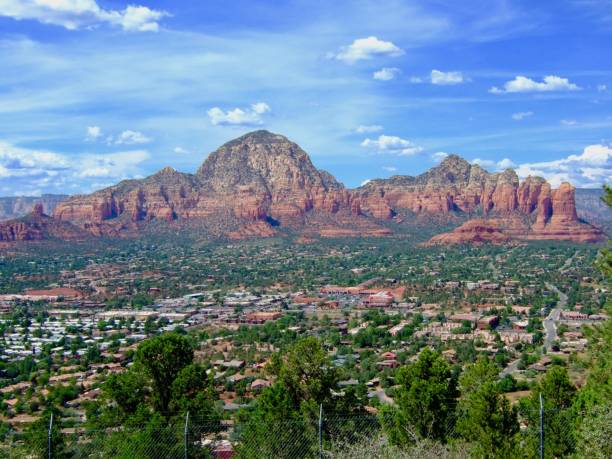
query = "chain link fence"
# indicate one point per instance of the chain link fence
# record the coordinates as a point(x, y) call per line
point(330, 436)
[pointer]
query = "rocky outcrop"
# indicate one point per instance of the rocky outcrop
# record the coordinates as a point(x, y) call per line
point(456, 186)
point(473, 232)
point(261, 178)
point(256, 183)
point(37, 226)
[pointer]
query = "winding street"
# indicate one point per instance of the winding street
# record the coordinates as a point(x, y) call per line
point(549, 323)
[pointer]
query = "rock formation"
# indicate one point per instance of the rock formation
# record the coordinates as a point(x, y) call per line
point(37, 226)
point(473, 232)
point(262, 182)
point(456, 186)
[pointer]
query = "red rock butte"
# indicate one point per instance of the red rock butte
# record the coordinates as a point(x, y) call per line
point(262, 182)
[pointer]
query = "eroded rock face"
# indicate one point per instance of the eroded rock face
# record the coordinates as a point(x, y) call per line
point(263, 180)
point(473, 232)
point(457, 186)
point(37, 226)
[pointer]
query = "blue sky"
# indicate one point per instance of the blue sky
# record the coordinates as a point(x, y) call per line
point(94, 91)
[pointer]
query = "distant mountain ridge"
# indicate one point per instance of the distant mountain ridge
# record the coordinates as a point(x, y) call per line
point(592, 209)
point(17, 206)
point(262, 184)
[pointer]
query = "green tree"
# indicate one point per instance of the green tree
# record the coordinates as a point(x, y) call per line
point(307, 374)
point(282, 422)
point(593, 405)
point(558, 394)
point(36, 437)
point(484, 416)
point(426, 400)
point(128, 390)
point(162, 358)
point(193, 391)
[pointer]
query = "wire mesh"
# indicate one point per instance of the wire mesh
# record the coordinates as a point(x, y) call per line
point(335, 435)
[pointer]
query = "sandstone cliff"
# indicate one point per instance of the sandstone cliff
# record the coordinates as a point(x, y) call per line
point(262, 182)
point(473, 232)
point(37, 226)
point(458, 186)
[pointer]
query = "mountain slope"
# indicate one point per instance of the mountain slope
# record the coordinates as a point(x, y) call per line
point(37, 226)
point(262, 182)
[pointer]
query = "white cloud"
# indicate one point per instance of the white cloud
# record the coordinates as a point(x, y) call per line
point(416, 80)
point(602, 88)
point(506, 163)
point(141, 19)
point(494, 165)
point(260, 108)
point(524, 84)
point(366, 129)
point(77, 14)
point(93, 133)
point(568, 122)
point(366, 48)
point(181, 151)
point(27, 170)
point(439, 156)
point(239, 117)
point(591, 168)
point(386, 73)
point(365, 182)
point(521, 115)
point(392, 145)
point(446, 78)
point(114, 165)
point(23, 162)
point(390, 168)
point(129, 137)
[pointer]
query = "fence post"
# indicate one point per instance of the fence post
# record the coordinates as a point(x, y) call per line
point(50, 454)
point(186, 435)
point(541, 427)
point(321, 431)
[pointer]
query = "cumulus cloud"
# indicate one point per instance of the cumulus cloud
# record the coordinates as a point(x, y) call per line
point(366, 48)
point(367, 129)
point(524, 84)
point(392, 145)
point(494, 165)
point(26, 170)
point(93, 133)
point(181, 151)
point(446, 78)
point(590, 169)
point(129, 137)
point(239, 117)
point(77, 14)
point(22, 162)
point(521, 115)
point(439, 156)
point(386, 73)
point(113, 165)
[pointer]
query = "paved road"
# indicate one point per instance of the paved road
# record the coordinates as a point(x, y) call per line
point(550, 326)
point(549, 323)
point(511, 368)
